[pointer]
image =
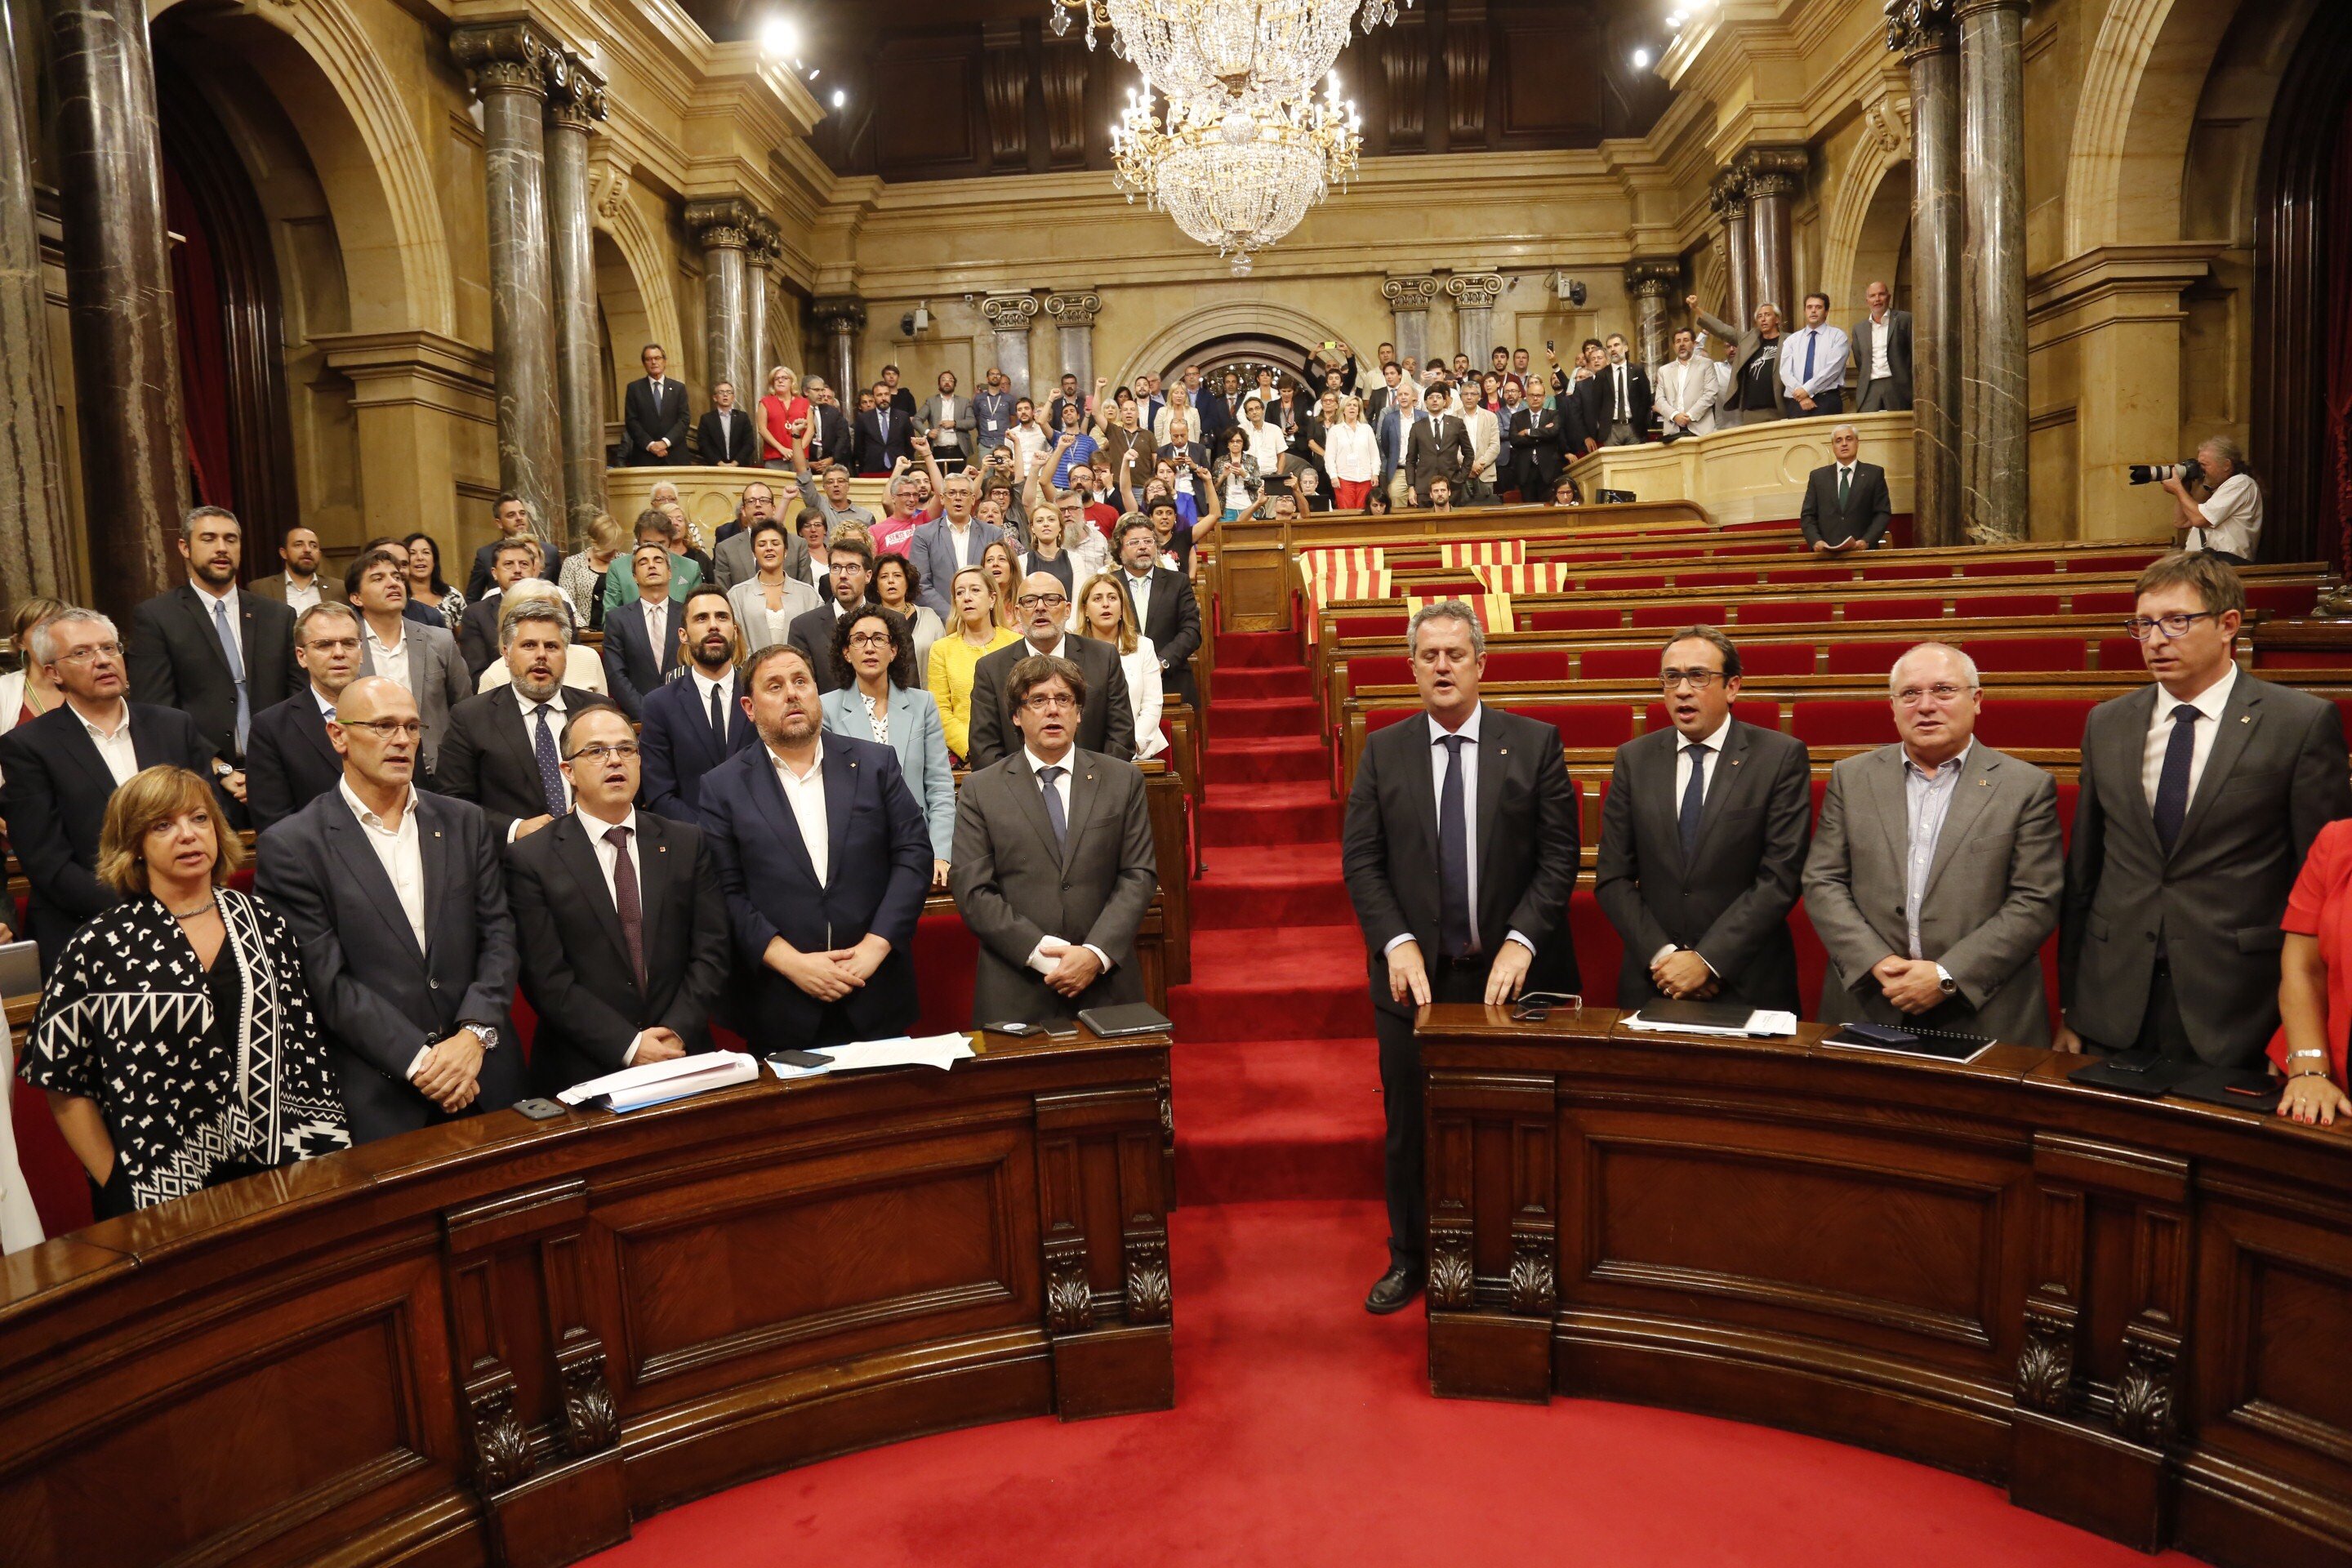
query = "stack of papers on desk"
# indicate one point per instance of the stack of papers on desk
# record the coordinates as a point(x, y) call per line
point(634, 1088)
point(1714, 1018)
point(941, 1051)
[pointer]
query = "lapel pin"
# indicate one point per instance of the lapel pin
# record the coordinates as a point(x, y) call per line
point(437, 832)
point(1502, 751)
point(1984, 784)
point(2245, 717)
point(1735, 762)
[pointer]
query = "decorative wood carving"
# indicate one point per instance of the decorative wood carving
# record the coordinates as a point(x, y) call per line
point(1467, 41)
point(2144, 1398)
point(2045, 1366)
point(1064, 72)
point(1149, 1292)
point(1005, 84)
point(591, 1424)
point(1404, 67)
point(1533, 1288)
point(1450, 1278)
point(1069, 1299)
point(501, 1449)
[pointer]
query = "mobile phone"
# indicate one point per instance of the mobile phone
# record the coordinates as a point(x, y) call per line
point(2247, 1092)
point(1018, 1031)
point(540, 1110)
point(1551, 345)
point(1328, 346)
point(1523, 1014)
point(801, 1058)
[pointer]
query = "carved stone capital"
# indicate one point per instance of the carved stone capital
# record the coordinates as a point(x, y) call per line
point(1773, 171)
point(1728, 194)
point(843, 315)
point(1009, 312)
point(766, 241)
point(1964, 9)
point(1655, 277)
point(1476, 291)
point(1074, 310)
point(1916, 27)
point(575, 94)
point(508, 56)
point(1149, 1297)
point(1451, 1278)
point(720, 224)
point(1410, 293)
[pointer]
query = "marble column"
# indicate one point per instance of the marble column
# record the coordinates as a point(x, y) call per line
point(1992, 287)
point(1475, 294)
point(118, 295)
point(723, 229)
point(1923, 31)
point(1074, 330)
point(1729, 198)
point(759, 355)
point(508, 63)
point(34, 558)
point(841, 317)
point(575, 102)
point(1656, 283)
point(1409, 301)
point(1774, 175)
point(1008, 317)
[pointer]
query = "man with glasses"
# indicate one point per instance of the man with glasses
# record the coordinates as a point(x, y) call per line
point(1703, 838)
point(1056, 914)
point(2199, 797)
point(734, 560)
point(1107, 725)
point(850, 560)
point(1935, 870)
point(396, 896)
point(504, 753)
point(618, 918)
point(1846, 506)
point(58, 773)
point(291, 761)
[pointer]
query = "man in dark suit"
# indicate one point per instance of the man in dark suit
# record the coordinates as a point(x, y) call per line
point(654, 415)
point(1703, 838)
point(1846, 506)
point(825, 862)
point(1439, 447)
point(58, 773)
point(395, 895)
point(1531, 436)
point(1460, 853)
point(1054, 864)
point(619, 919)
point(504, 749)
point(209, 648)
point(829, 439)
point(693, 723)
point(477, 634)
point(1882, 348)
point(641, 638)
point(883, 435)
point(2199, 797)
point(513, 515)
point(1615, 403)
point(290, 762)
point(725, 435)
point(1107, 725)
point(1164, 607)
point(850, 572)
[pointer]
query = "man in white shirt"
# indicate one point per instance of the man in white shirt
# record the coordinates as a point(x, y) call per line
point(2229, 520)
point(1813, 365)
point(291, 762)
point(1882, 352)
point(945, 545)
point(1689, 387)
point(1029, 438)
point(949, 420)
point(297, 584)
point(422, 659)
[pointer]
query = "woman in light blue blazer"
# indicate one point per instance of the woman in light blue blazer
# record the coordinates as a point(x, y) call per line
point(874, 697)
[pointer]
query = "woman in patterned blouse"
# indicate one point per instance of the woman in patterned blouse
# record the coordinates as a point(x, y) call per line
point(176, 1037)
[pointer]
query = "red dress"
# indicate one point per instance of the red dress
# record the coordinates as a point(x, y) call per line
point(779, 412)
point(2321, 907)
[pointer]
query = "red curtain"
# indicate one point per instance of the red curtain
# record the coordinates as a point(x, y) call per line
point(203, 356)
point(2336, 253)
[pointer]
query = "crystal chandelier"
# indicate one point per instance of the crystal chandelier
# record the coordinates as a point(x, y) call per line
point(1189, 48)
point(1236, 170)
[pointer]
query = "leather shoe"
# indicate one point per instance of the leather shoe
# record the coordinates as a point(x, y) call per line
point(1397, 1287)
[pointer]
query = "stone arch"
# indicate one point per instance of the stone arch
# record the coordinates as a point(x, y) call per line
point(1862, 227)
point(2141, 84)
point(633, 279)
point(1229, 319)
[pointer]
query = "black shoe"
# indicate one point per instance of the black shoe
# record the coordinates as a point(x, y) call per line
point(1397, 1288)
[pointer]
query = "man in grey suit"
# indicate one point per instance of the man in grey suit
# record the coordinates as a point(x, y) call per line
point(396, 896)
point(1935, 870)
point(2200, 796)
point(732, 559)
point(952, 425)
point(949, 543)
point(1882, 348)
point(1703, 841)
point(422, 659)
point(1054, 864)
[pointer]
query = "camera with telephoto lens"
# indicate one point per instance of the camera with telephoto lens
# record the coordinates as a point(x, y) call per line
point(2188, 473)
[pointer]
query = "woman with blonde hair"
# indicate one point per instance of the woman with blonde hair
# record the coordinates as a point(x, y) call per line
point(1106, 615)
point(979, 630)
point(176, 1036)
point(783, 419)
point(1354, 456)
point(27, 691)
point(583, 577)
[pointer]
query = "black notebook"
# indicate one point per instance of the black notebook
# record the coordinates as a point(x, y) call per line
point(2142, 1073)
point(1128, 1019)
point(2255, 1090)
point(1938, 1045)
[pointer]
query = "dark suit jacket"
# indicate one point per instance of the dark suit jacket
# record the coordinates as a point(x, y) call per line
point(1015, 886)
point(829, 438)
point(1429, 455)
point(1526, 838)
point(575, 962)
point(879, 864)
point(489, 759)
point(1532, 435)
point(291, 763)
point(714, 445)
point(1730, 901)
point(812, 633)
point(647, 419)
point(1898, 354)
point(1106, 724)
point(478, 580)
point(176, 660)
point(1595, 397)
point(380, 1000)
point(54, 787)
point(633, 666)
point(2275, 776)
point(678, 749)
point(477, 636)
point(1173, 625)
point(877, 450)
point(1868, 508)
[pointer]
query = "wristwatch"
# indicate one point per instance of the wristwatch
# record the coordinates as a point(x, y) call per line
point(1944, 979)
point(485, 1033)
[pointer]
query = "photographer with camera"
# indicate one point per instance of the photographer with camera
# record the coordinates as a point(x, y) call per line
point(2229, 522)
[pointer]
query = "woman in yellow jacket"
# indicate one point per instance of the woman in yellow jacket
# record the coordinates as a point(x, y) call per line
point(977, 632)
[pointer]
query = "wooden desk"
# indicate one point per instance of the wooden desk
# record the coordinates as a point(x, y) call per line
point(499, 1341)
point(2134, 1314)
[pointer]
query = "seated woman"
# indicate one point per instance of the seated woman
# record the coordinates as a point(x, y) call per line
point(874, 697)
point(1106, 615)
point(583, 577)
point(2316, 983)
point(176, 1037)
point(979, 630)
point(898, 586)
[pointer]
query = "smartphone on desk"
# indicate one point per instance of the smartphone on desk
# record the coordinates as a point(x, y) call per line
point(792, 1058)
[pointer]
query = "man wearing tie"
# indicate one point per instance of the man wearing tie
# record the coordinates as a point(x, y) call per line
point(726, 435)
point(1460, 853)
point(1165, 610)
point(1439, 449)
point(1616, 402)
point(1813, 365)
point(693, 725)
point(828, 431)
point(654, 415)
point(1881, 348)
point(1846, 506)
point(641, 640)
point(1703, 839)
point(883, 435)
point(2199, 797)
point(291, 761)
point(618, 912)
point(502, 752)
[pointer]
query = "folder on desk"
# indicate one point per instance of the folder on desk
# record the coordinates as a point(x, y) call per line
point(2240, 1091)
point(2142, 1073)
point(1715, 1018)
point(656, 1083)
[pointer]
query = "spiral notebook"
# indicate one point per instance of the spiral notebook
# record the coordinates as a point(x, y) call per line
point(1937, 1045)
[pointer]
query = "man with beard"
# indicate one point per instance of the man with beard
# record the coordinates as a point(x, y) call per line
point(299, 587)
point(691, 725)
point(851, 562)
point(504, 750)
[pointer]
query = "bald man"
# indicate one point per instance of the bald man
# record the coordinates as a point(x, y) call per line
point(1107, 725)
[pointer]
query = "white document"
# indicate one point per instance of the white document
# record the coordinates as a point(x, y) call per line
point(1761, 1025)
point(652, 1083)
point(941, 1051)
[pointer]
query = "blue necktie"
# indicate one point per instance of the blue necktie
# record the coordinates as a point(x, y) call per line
point(1694, 798)
point(1811, 337)
point(1452, 857)
point(1054, 818)
point(2172, 783)
point(550, 771)
point(236, 669)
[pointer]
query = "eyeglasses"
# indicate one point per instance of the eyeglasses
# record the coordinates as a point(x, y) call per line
point(334, 644)
point(1042, 601)
point(600, 750)
point(94, 650)
point(387, 728)
point(2172, 626)
point(1942, 691)
point(869, 640)
point(1053, 702)
point(1698, 680)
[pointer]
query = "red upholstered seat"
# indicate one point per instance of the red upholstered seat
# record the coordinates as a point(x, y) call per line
point(2120, 561)
point(2027, 654)
point(2117, 602)
point(1594, 618)
point(2003, 568)
point(1377, 719)
point(1903, 571)
point(1371, 623)
point(2281, 598)
point(1752, 549)
point(1378, 670)
point(1810, 575)
point(1897, 608)
point(1624, 582)
point(1678, 614)
point(2121, 654)
point(1866, 657)
point(1762, 712)
point(1524, 663)
point(2010, 606)
point(1786, 613)
point(1619, 663)
point(1584, 725)
point(1843, 722)
point(1715, 579)
point(2031, 722)
point(1777, 659)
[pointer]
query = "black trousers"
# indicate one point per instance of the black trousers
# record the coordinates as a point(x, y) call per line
point(1401, 1093)
point(2161, 1029)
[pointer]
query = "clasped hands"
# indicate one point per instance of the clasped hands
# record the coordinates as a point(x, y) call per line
point(831, 975)
point(451, 1073)
point(1683, 976)
point(1910, 984)
point(1409, 976)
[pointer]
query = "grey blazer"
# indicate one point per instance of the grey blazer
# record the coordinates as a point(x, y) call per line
point(436, 675)
point(1991, 896)
point(2274, 778)
point(1012, 889)
point(733, 561)
point(967, 424)
point(931, 550)
point(1744, 341)
point(1898, 354)
point(760, 628)
point(922, 748)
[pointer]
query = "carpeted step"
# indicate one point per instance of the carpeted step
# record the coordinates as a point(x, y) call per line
point(1237, 650)
point(1286, 681)
point(1270, 813)
point(1271, 885)
point(1308, 983)
point(1267, 759)
point(1277, 1119)
point(1252, 717)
